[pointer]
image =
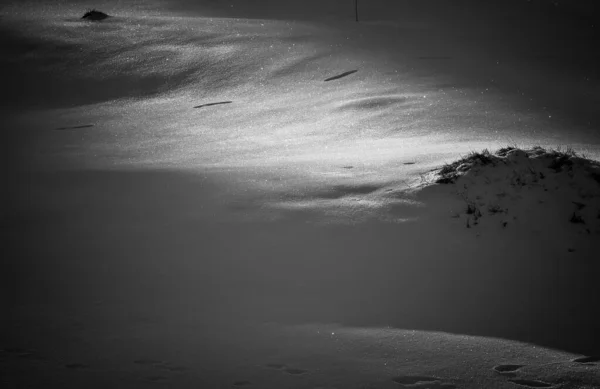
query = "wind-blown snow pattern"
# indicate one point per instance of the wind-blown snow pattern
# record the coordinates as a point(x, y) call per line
point(246, 193)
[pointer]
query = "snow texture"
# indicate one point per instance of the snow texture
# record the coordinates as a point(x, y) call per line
point(217, 194)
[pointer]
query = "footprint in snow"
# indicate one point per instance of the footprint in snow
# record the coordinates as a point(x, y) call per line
point(504, 369)
point(511, 370)
point(587, 360)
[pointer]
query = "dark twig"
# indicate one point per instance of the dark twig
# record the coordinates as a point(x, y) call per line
point(341, 75)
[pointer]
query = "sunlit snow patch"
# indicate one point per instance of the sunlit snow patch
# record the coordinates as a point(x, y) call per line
point(533, 188)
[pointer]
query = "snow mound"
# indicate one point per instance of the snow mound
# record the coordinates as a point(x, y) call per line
point(533, 186)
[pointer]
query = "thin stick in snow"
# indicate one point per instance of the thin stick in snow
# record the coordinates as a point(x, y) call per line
point(209, 104)
point(341, 75)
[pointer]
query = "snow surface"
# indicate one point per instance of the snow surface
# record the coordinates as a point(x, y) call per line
point(295, 237)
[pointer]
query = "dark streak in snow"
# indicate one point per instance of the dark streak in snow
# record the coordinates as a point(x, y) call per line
point(74, 127)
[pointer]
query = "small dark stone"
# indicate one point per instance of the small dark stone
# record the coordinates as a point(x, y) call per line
point(576, 219)
point(94, 15)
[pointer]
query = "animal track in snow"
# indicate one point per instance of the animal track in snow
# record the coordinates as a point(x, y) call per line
point(587, 359)
point(531, 383)
point(507, 368)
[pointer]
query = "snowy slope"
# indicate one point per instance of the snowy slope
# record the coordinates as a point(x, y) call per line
point(294, 236)
point(273, 71)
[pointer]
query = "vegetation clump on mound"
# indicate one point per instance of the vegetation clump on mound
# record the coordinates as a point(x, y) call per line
point(557, 160)
point(529, 185)
point(450, 172)
point(94, 15)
